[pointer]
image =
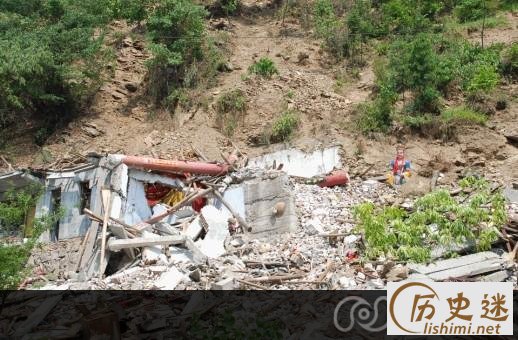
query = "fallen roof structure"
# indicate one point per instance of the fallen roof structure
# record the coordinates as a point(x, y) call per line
point(127, 206)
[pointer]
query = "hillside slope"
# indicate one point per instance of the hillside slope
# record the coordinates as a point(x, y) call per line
point(121, 119)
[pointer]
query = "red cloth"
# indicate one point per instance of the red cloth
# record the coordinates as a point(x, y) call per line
point(399, 165)
point(199, 203)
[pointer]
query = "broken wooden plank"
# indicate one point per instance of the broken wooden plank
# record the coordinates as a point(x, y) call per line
point(278, 278)
point(89, 245)
point(106, 196)
point(433, 182)
point(138, 242)
point(38, 315)
point(121, 233)
point(452, 263)
point(251, 284)
point(188, 199)
point(82, 249)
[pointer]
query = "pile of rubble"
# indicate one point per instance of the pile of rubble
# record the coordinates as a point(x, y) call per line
point(281, 221)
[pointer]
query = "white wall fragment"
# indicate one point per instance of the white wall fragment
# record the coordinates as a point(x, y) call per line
point(301, 164)
point(213, 243)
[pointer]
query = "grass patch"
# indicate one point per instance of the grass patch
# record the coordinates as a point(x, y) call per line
point(498, 21)
point(444, 125)
point(264, 67)
point(462, 114)
point(437, 219)
point(284, 126)
point(230, 109)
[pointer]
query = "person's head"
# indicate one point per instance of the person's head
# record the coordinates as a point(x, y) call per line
point(400, 152)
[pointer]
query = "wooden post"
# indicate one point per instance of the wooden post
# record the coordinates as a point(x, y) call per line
point(106, 195)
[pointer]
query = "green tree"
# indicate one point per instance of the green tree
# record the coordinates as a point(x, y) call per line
point(176, 28)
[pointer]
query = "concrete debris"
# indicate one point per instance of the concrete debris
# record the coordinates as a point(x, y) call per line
point(213, 243)
point(464, 267)
point(169, 279)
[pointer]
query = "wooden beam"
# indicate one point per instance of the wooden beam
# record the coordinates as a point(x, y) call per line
point(106, 195)
point(138, 242)
point(188, 199)
point(89, 245)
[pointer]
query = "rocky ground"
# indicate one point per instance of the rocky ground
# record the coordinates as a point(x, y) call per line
point(310, 257)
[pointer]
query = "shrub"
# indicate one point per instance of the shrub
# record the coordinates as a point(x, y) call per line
point(50, 60)
point(230, 108)
point(176, 28)
point(373, 117)
point(395, 233)
point(264, 67)
point(230, 6)
point(284, 126)
point(510, 61)
point(13, 215)
point(401, 16)
point(330, 28)
point(469, 10)
point(484, 79)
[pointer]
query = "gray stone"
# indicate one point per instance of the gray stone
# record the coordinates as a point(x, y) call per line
point(225, 284)
point(195, 275)
point(511, 194)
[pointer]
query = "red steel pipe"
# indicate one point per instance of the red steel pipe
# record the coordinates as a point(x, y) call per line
point(198, 168)
point(337, 177)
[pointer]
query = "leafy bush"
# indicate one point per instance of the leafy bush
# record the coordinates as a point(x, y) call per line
point(484, 79)
point(415, 65)
point(397, 234)
point(16, 205)
point(510, 61)
point(284, 126)
point(176, 28)
point(50, 60)
point(330, 27)
point(264, 67)
point(230, 108)
point(230, 6)
point(469, 10)
point(13, 215)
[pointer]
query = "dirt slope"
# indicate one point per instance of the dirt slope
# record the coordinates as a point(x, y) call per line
point(121, 119)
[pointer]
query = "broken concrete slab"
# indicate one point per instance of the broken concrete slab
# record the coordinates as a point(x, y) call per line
point(213, 243)
point(225, 284)
point(169, 279)
point(262, 194)
point(136, 208)
point(465, 266)
point(301, 164)
point(194, 229)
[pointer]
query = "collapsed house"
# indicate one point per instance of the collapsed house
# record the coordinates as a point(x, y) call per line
point(128, 207)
